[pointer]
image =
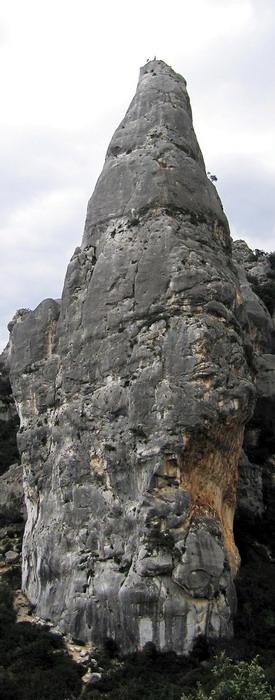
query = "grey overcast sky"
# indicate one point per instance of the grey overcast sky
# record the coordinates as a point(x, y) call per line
point(69, 69)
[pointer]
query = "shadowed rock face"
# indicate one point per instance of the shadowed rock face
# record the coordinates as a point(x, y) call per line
point(9, 421)
point(256, 470)
point(133, 395)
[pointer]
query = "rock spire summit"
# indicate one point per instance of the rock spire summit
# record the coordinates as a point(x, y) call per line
point(154, 159)
point(133, 394)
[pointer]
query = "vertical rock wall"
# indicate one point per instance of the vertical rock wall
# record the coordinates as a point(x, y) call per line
point(133, 395)
point(256, 483)
point(9, 421)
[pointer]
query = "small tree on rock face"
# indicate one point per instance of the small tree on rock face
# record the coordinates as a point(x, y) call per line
point(235, 681)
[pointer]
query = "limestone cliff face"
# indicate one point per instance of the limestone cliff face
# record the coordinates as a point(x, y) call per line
point(133, 393)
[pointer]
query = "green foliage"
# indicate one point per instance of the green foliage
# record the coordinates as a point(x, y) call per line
point(33, 663)
point(259, 254)
point(240, 680)
point(150, 676)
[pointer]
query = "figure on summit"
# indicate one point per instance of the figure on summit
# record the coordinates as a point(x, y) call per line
point(213, 178)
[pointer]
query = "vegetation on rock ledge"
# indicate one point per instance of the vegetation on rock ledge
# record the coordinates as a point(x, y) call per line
point(35, 664)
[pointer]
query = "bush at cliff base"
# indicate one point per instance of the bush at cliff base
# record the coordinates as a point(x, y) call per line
point(33, 663)
point(240, 680)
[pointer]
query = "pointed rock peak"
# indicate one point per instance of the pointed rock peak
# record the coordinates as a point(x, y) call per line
point(154, 159)
point(133, 398)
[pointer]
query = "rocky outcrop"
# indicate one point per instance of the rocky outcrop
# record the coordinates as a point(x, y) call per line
point(256, 483)
point(255, 515)
point(12, 507)
point(256, 274)
point(133, 394)
point(9, 421)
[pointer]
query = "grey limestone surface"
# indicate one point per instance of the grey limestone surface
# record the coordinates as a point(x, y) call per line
point(133, 392)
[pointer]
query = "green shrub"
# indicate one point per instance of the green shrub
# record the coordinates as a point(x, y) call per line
point(33, 663)
point(240, 680)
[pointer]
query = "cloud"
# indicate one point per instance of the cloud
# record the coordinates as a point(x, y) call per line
point(46, 177)
point(247, 192)
point(37, 243)
point(68, 73)
point(36, 160)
